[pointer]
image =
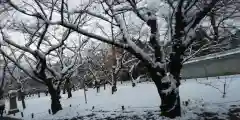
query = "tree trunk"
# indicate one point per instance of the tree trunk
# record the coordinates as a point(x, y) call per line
point(64, 90)
point(73, 88)
point(21, 97)
point(104, 86)
point(114, 87)
point(23, 101)
point(167, 82)
point(170, 103)
point(55, 97)
point(46, 93)
point(85, 95)
point(98, 89)
point(69, 91)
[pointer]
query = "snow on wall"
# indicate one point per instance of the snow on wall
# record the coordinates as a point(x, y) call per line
point(218, 64)
point(214, 55)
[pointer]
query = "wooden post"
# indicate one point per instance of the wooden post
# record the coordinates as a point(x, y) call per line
point(49, 111)
point(104, 85)
point(46, 93)
point(224, 88)
point(22, 114)
point(123, 108)
point(84, 89)
point(133, 84)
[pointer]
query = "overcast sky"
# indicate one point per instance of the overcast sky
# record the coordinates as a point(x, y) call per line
point(155, 5)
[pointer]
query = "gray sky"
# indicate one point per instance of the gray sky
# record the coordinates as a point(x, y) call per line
point(155, 5)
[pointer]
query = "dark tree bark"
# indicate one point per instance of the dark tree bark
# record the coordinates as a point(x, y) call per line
point(170, 101)
point(21, 96)
point(38, 94)
point(114, 87)
point(69, 91)
point(54, 92)
point(97, 85)
point(23, 100)
point(104, 85)
point(68, 87)
point(46, 93)
point(55, 97)
point(73, 88)
point(98, 89)
point(64, 90)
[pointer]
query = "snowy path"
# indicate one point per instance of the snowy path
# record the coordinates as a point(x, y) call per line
point(138, 99)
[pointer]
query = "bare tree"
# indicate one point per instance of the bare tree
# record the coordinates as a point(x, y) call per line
point(73, 62)
point(163, 65)
point(19, 78)
point(45, 70)
point(217, 34)
point(43, 47)
point(110, 61)
point(3, 70)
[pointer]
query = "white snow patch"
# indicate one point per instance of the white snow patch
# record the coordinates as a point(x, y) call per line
point(137, 100)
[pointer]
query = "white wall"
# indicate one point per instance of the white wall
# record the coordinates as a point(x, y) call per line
point(227, 63)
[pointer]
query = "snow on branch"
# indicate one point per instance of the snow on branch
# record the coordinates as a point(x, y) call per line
point(64, 38)
point(75, 68)
point(92, 35)
point(195, 20)
point(126, 8)
point(86, 10)
point(67, 68)
point(2, 86)
point(119, 63)
point(38, 15)
point(173, 83)
point(7, 40)
point(196, 52)
point(131, 70)
point(20, 66)
point(137, 11)
point(135, 49)
point(42, 36)
point(54, 72)
point(202, 13)
point(70, 26)
point(93, 14)
point(68, 65)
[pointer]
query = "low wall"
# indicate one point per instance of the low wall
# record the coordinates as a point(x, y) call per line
point(219, 64)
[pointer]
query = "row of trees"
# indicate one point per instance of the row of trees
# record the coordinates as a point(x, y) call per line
point(160, 34)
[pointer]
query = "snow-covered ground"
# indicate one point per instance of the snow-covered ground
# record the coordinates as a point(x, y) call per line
point(138, 101)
